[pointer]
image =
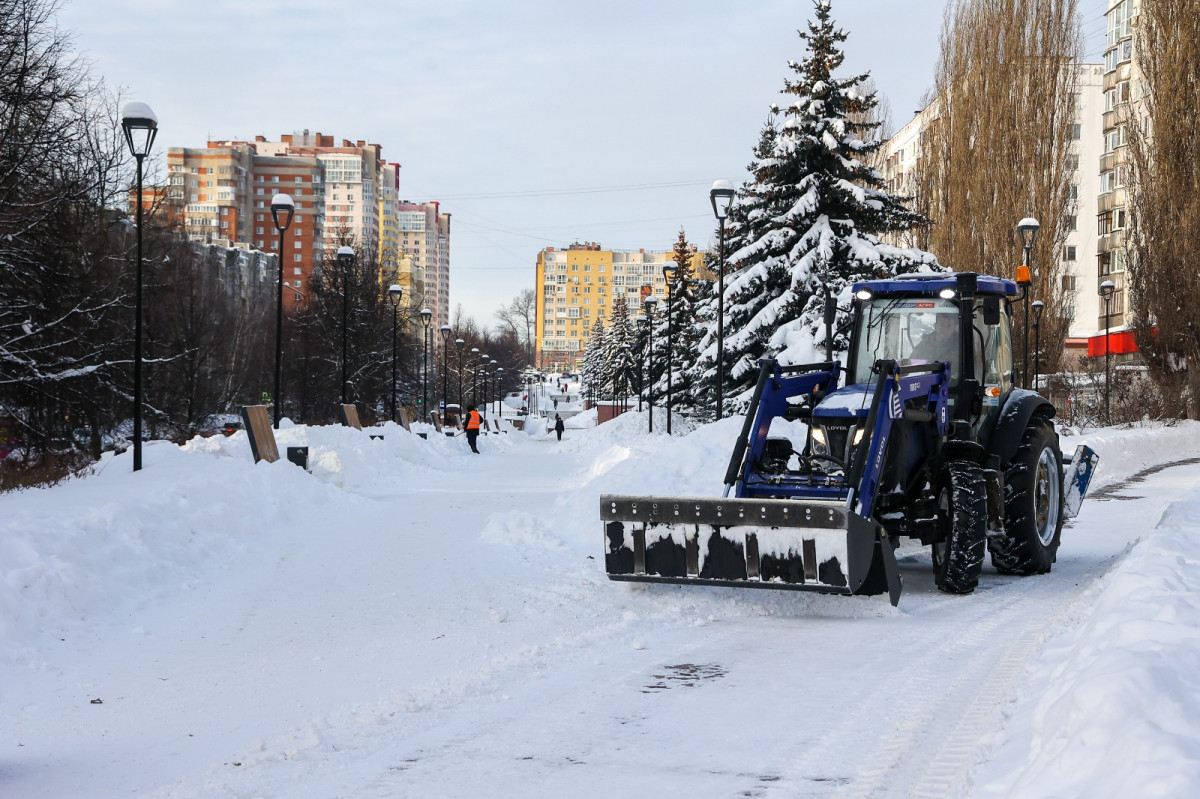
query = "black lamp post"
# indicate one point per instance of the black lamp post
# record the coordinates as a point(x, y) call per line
point(1028, 229)
point(1107, 288)
point(395, 292)
point(426, 340)
point(721, 196)
point(500, 392)
point(650, 302)
point(282, 211)
point(445, 371)
point(345, 256)
point(140, 126)
point(642, 363)
point(668, 276)
point(475, 376)
point(458, 345)
point(483, 366)
point(1038, 307)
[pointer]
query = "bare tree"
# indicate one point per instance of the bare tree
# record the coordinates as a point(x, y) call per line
point(999, 147)
point(1164, 194)
point(519, 318)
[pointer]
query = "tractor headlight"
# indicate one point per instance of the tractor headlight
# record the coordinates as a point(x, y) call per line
point(858, 436)
point(820, 443)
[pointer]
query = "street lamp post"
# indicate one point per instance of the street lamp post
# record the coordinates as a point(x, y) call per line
point(283, 208)
point(1107, 288)
point(668, 276)
point(345, 257)
point(483, 367)
point(458, 345)
point(500, 392)
point(445, 371)
point(475, 376)
point(1038, 307)
point(140, 126)
point(721, 196)
point(426, 340)
point(395, 292)
point(1028, 230)
point(651, 301)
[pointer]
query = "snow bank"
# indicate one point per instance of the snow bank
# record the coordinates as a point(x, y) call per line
point(1119, 717)
point(119, 539)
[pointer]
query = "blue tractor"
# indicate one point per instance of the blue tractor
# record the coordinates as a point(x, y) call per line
point(928, 438)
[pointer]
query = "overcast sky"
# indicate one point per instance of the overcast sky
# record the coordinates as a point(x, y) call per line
point(535, 122)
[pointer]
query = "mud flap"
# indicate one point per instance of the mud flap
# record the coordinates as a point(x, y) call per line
point(1077, 478)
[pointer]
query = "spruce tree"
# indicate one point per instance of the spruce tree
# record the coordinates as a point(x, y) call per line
point(812, 219)
point(590, 372)
point(621, 349)
point(683, 328)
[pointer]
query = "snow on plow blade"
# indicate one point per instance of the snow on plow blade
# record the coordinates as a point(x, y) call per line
point(745, 543)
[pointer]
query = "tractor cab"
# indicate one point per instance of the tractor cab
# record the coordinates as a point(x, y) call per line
point(920, 320)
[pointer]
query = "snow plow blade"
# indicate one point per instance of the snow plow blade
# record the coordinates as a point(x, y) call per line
point(747, 543)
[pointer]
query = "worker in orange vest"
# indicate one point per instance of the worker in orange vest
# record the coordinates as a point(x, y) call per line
point(472, 428)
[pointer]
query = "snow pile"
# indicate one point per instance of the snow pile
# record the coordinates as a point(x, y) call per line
point(1119, 717)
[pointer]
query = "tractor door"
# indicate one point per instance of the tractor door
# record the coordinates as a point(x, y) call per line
point(995, 341)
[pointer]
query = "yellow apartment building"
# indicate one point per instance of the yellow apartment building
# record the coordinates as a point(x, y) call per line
point(579, 284)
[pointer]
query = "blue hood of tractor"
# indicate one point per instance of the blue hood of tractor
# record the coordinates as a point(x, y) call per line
point(848, 402)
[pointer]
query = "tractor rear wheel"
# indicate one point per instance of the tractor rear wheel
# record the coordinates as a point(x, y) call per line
point(962, 527)
point(1033, 504)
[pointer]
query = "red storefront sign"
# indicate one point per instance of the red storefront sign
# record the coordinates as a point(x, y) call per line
point(1118, 344)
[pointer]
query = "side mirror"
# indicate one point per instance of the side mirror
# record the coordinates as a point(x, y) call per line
point(991, 311)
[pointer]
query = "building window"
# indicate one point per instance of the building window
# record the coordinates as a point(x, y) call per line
point(297, 257)
point(1072, 223)
point(1069, 253)
point(1076, 131)
point(298, 271)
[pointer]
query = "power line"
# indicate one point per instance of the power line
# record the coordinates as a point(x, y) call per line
point(561, 192)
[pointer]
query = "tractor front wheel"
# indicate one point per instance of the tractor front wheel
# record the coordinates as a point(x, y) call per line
point(962, 527)
point(1033, 504)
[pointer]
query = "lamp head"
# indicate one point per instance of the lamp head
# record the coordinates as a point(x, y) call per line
point(283, 208)
point(1107, 288)
point(140, 126)
point(426, 316)
point(345, 256)
point(1038, 307)
point(721, 195)
point(458, 342)
point(1028, 228)
point(446, 329)
point(395, 292)
point(669, 271)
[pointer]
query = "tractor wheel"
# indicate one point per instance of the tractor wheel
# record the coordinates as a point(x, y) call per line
point(1033, 504)
point(962, 527)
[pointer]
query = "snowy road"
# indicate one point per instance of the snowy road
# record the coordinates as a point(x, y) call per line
point(444, 629)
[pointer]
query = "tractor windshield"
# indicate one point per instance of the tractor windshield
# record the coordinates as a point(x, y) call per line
point(908, 331)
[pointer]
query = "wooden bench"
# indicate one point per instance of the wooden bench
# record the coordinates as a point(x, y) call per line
point(258, 429)
point(348, 416)
point(437, 420)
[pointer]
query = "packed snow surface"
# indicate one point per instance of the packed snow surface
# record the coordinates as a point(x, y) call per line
point(412, 619)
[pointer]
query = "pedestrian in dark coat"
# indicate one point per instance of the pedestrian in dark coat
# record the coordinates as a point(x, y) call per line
point(559, 426)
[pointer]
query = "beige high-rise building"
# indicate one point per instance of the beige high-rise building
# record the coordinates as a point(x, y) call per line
point(579, 284)
point(1121, 110)
point(424, 233)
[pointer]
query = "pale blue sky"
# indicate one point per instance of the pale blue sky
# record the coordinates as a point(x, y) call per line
point(478, 98)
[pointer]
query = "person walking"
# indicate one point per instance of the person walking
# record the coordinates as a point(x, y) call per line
point(556, 404)
point(559, 426)
point(472, 428)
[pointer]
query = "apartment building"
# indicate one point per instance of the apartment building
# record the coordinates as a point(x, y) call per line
point(579, 284)
point(304, 242)
point(1120, 110)
point(424, 239)
point(352, 176)
point(208, 190)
